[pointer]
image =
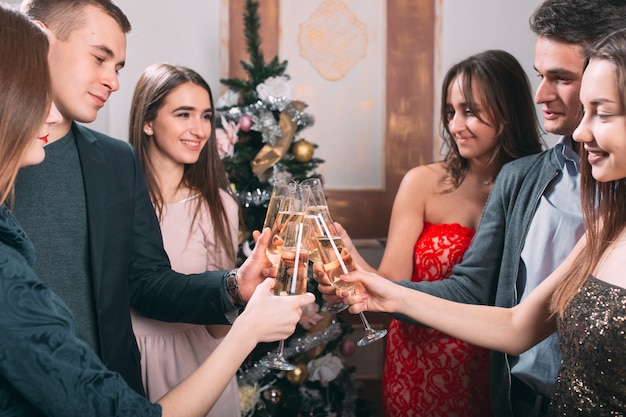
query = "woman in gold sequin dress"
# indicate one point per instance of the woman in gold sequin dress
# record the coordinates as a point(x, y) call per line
point(585, 298)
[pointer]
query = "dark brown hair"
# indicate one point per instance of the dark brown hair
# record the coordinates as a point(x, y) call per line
point(508, 103)
point(579, 22)
point(207, 175)
point(24, 91)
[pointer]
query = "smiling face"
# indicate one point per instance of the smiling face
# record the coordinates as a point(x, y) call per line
point(560, 67)
point(182, 125)
point(603, 127)
point(474, 138)
point(84, 67)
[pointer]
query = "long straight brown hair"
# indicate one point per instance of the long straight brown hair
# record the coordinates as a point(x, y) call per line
point(24, 91)
point(207, 176)
point(508, 103)
point(603, 203)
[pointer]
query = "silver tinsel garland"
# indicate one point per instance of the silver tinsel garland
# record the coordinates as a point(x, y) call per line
point(264, 122)
point(253, 375)
point(254, 198)
point(263, 118)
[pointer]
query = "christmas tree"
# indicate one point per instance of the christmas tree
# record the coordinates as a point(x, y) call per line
point(259, 128)
point(258, 136)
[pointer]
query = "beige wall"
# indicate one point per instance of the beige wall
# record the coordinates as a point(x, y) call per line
point(192, 33)
point(468, 27)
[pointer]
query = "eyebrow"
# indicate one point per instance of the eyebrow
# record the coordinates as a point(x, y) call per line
point(601, 100)
point(207, 110)
point(558, 71)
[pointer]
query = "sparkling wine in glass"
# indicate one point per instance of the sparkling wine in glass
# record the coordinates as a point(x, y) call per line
point(284, 196)
point(317, 232)
point(337, 261)
point(276, 242)
point(317, 214)
point(292, 279)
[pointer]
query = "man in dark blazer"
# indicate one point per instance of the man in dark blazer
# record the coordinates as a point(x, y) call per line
point(87, 208)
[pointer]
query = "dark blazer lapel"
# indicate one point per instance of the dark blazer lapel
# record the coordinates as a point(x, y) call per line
point(93, 166)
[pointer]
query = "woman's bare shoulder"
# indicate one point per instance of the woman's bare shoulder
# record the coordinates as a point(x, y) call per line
point(426, 174)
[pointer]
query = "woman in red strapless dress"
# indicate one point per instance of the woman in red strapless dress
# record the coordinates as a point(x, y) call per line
point(488, 119)
point(426, 372)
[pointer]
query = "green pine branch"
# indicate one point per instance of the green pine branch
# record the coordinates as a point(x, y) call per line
point(252, 27)
point(255, 68)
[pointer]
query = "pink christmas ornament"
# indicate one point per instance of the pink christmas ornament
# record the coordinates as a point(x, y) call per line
point(245, 123)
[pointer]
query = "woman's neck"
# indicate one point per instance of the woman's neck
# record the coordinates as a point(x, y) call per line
point(482, 171)
point(168, 176)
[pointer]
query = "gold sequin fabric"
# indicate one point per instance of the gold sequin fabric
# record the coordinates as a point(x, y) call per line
point(592, 379)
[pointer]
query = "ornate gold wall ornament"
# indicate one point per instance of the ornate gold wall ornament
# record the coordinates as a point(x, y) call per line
point(333, 39)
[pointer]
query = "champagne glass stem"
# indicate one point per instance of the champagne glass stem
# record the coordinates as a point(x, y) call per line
point(371, 335)
point(281, 348)
point(366, 323)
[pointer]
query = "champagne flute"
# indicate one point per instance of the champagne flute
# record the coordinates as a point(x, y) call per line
point(316, 202)
point(317, 205)
point(285, 206)
point(292, 278)
point(337, 260)
point(283, 198)
point(317, 232)
point(276, 243)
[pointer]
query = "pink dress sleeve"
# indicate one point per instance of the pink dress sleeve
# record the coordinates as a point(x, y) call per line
point(171, 351)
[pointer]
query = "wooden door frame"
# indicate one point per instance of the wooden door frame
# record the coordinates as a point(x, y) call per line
point(409, 123)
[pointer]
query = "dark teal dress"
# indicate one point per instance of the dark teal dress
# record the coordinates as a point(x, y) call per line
point(45, 369)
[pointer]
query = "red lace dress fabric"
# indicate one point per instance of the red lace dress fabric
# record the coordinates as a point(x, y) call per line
point(427, 373)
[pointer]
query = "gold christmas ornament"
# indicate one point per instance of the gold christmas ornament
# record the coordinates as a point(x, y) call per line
point(302, 150)
point(249, 396)
point(298, 375)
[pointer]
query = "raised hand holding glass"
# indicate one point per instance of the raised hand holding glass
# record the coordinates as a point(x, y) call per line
point(338, 261)
point(292, 277)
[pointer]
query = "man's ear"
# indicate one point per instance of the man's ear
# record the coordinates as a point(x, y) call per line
point(45, 29)
point(41, 24)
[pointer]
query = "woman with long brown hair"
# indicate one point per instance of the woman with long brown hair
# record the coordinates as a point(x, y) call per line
point(172, 127)
point(488, 119)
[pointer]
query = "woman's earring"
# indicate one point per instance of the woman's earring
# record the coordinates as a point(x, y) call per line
point(147, 131)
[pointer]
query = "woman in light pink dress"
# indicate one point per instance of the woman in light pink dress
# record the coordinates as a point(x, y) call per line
point(172, 129)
